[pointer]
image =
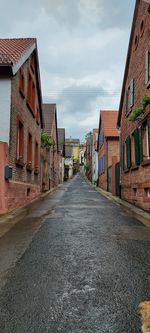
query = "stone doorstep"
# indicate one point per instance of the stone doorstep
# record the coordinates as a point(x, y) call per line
point(138, 213)
point(8, 220)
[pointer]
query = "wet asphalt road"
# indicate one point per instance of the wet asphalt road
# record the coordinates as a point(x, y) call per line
point(80, 264)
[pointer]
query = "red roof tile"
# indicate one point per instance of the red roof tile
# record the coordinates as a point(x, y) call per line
point(109, 123)
point(12, 49)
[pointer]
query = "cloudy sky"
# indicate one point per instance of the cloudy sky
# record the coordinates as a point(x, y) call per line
point(82, 47)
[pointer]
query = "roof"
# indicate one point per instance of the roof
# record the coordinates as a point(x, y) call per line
point(128, 57)
point(108, 120)
point(13, 54)
point(15, 51)
point(49, 111)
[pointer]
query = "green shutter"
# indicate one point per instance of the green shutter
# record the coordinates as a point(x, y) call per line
point(148, 124)
point(138, 145)
point(131, 93)
point(128, 152)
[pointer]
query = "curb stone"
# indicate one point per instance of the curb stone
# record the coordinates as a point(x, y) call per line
point(138, 213)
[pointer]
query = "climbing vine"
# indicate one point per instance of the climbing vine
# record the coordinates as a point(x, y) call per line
point(141, 109)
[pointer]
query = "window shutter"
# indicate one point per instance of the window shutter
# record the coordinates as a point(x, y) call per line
point(128, 150)
point(137, 146)
point(147, 66)
point(131, 93)
point(148, 124)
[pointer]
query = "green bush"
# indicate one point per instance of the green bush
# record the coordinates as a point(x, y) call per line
point(46, 140)
point(145, 101)
point(137, 112)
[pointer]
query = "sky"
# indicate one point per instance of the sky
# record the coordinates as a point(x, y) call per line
point(82, 47)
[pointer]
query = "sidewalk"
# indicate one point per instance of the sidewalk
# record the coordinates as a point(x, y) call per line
point(7, 221)
point(138, 213)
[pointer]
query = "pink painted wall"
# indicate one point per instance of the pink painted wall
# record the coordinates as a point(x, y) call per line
point(13, 194)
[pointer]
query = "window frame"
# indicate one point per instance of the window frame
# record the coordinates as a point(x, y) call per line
point(147, 68)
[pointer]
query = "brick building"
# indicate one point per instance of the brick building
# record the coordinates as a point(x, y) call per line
point(134, 112)
point(50, 117)
point(108, 150)
point(21, 122)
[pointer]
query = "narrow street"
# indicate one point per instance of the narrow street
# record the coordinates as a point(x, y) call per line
point(78, 263)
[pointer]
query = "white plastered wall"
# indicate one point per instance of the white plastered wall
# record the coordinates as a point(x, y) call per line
point(5, 103)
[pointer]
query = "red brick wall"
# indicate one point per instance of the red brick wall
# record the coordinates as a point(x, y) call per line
point(113, 150)
point(137, 178)
point(102, 180)
point(110, 149)
point(20, 110)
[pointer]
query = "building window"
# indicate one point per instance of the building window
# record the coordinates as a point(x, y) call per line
point(130, 98)
point(22, 83)
point(36, 157)
point(138, 145)
point(146, 140)
point(20, 143)
point(31, 94)
point(128, 152)
point(133, 162)
point(29, 152)
point(147, 68)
